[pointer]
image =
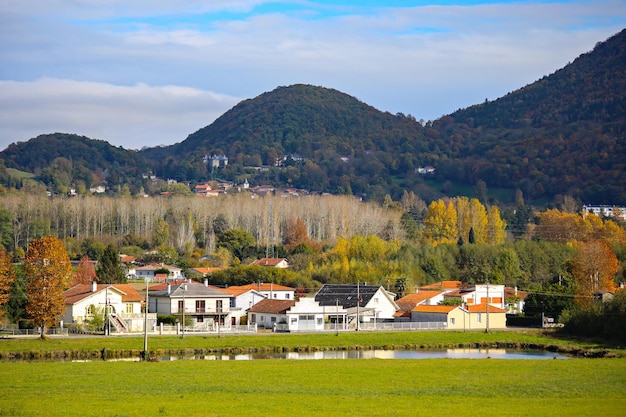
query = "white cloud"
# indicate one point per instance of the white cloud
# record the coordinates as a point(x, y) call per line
point(426, 61)
point(128, 116)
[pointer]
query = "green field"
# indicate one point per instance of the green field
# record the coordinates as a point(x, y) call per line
point(428, 387)
point(370, 387)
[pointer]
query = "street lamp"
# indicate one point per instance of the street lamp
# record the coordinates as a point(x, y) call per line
point(146, 355)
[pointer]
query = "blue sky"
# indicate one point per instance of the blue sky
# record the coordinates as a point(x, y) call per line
point(148, 72)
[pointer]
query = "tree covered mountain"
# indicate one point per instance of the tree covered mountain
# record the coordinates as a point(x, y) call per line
point(61, 160)
point(562, 135)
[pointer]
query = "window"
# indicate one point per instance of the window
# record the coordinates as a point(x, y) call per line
point(294, 320)
point(181, 305)
point(252, 318)
point(479, 318)
point(218, 305)
point(273, 319)
point(129, 308)
point(200, 306)
point(452, 321)
point(287, 296)
point(319, 321)
point(200, 319)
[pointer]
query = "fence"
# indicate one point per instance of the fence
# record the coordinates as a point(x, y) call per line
point(392, 326)
point(33, 332)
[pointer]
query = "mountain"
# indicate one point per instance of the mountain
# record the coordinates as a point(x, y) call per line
point(561, 135)
point(338, 135)
point(564, 134)
point(62, 159)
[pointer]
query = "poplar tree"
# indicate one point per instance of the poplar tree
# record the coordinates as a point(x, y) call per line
point(48, 270)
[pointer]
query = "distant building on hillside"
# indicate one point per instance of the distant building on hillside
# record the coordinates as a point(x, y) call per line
point(606, 211)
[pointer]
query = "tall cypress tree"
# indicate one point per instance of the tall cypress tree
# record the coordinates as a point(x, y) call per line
point(110, 270)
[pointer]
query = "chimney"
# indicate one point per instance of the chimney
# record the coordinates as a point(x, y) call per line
point(94, 286)
point(206, 282)
point(169, 288)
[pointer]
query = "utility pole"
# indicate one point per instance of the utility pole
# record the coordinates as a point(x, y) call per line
point(146, 355)
point(487, 308)
point(358, 304)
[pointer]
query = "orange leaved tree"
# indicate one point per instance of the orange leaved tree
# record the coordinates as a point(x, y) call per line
point(48, 270)
point(593, 268)
point(7, 277)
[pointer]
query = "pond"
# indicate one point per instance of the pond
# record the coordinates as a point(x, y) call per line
point(384, 354)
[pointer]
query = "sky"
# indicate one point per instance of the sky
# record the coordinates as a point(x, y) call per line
point(144, 73)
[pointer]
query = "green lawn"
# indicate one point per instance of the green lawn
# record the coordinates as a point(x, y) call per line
point(369, 387)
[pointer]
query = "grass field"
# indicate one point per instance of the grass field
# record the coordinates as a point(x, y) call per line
point(369, 387)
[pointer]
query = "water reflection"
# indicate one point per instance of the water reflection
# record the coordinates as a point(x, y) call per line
point(384, 354)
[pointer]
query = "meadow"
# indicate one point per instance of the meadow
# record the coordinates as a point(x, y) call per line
point(370, 387)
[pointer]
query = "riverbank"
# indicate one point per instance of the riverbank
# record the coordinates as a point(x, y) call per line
point(85, 348)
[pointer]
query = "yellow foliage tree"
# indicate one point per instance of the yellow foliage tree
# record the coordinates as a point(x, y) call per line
point(463, 217)
point(7, 277)
point(48, 269)
point(440, 222)
point(478, 220)
point(593, 268)
point(496, 226)
point(557, 226)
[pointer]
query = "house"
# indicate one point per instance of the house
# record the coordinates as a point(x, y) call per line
point(461, 318)
point(268, 313)
point(205, 305)
point(121, 302)
point(407, 303)
point(308, 315)
point(148, 272)
point(273, 262)
point(478, 294)
point(242, 300)
point(270, 290)
point(450, 317)
point(514, 300)
point(364, 303)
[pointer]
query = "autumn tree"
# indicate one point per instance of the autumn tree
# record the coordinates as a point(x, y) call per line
point(48, 269)
point(295, 233)
point(440, 222)
point(593, 268)
point(110, 269)
point(7, 277)
point(84, 273)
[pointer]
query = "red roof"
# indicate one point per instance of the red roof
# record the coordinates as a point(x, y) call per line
point(205, 271)
point(271, 306)
point(268, 261)
point(434, 309)
point(481, 308)
point(443, 285)
point(82, 291)
point(264, 286)
point(407, 303)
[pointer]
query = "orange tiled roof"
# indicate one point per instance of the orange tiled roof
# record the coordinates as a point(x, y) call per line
point(408, 302)
point(434, 309)
point(264, 286)
point(268, 261)
point(443, 285)
point(205, 271)
point(481, 308)
point(82, 291)
point(268, 305)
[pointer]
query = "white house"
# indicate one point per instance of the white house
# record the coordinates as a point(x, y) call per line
point(120, 302)
point(367, 303)
point(271, 262)
point(480, 294)
point(242, 300)
point(269, 313)
point(269, 290)
point(475, 317)
point(149, 272)
point(308, 315)
point(205, 305)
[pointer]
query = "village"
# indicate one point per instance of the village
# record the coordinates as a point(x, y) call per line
point(193, 306)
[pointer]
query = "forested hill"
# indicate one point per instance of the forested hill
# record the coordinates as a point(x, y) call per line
point(564, 134)
point(310, 121)
point(62, 159)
